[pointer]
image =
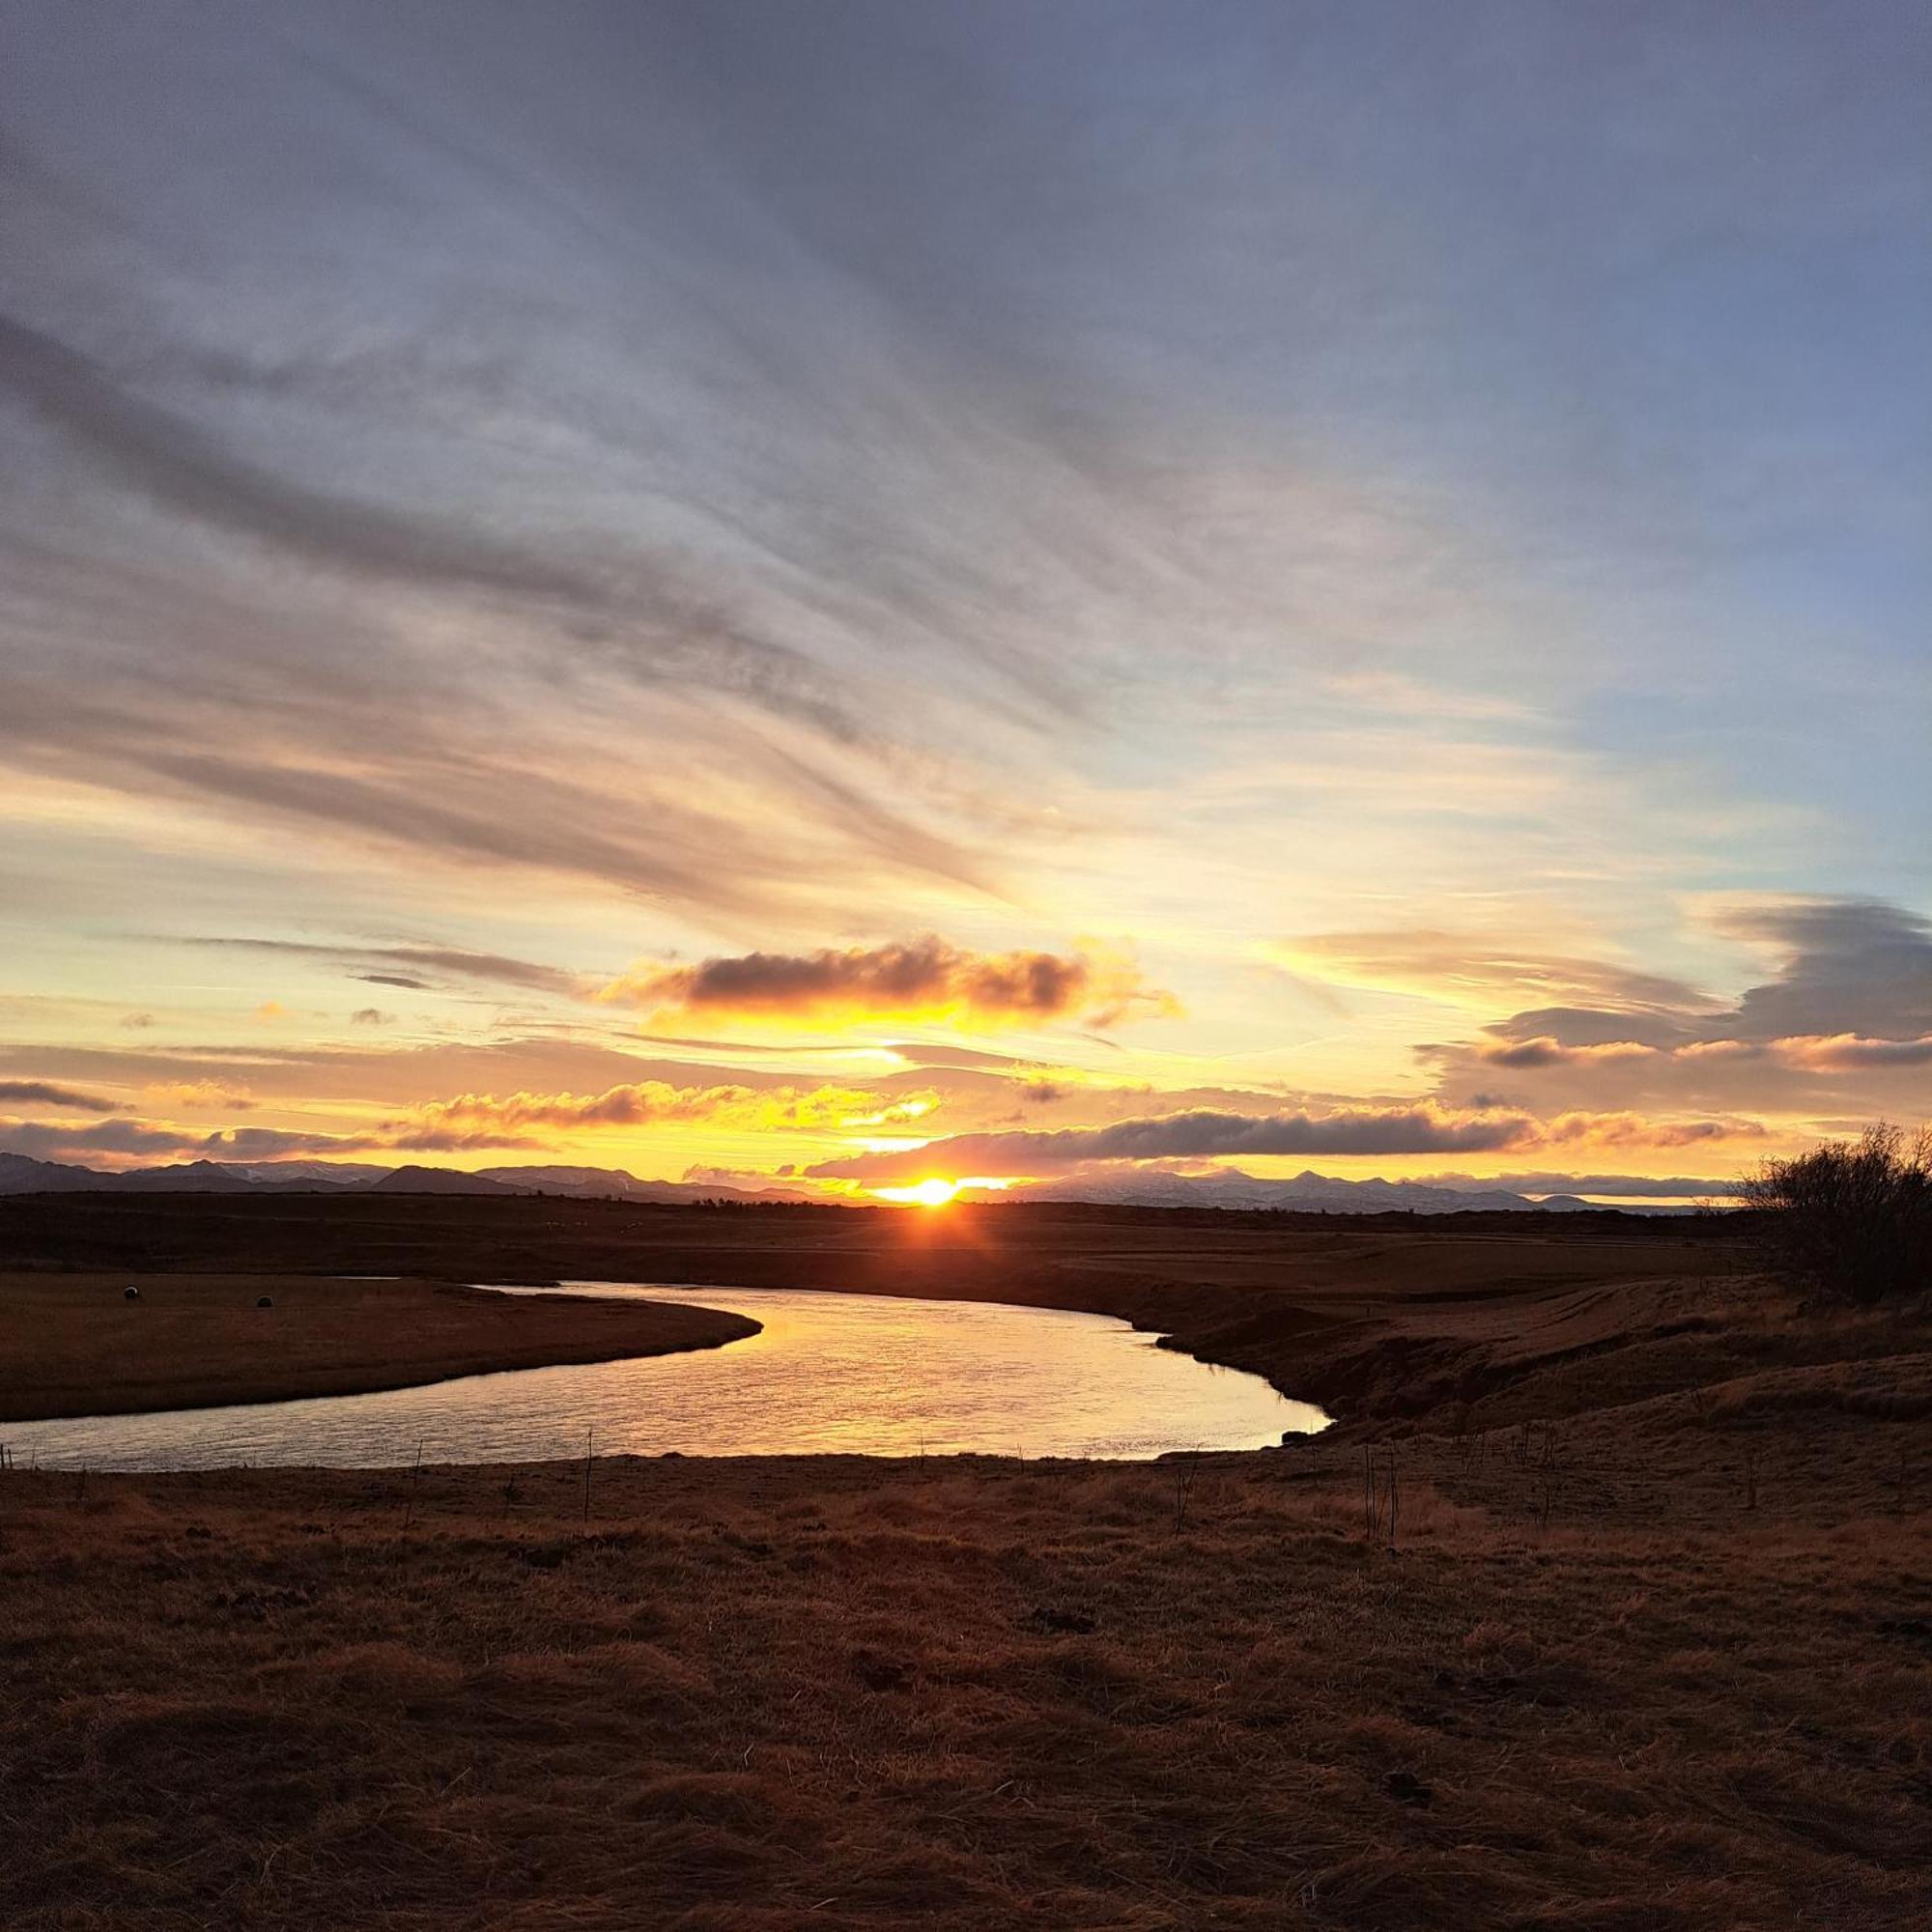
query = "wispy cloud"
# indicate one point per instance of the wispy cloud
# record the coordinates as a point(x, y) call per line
point(184, 470)
point(46, 1094)
point(1479, 969)
point(458, 962)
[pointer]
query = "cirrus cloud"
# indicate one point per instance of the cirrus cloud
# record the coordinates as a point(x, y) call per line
point(1465, 969)
point(46, 1094)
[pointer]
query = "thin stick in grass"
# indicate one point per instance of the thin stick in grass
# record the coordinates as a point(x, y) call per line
point(1183, 1488)
point(416, 1476)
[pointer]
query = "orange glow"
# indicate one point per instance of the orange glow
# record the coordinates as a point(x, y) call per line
point(930, 1193)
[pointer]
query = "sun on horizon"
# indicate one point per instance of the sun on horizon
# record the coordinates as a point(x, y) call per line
point(932, 1192)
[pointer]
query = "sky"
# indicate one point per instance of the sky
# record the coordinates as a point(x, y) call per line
point(839, 594)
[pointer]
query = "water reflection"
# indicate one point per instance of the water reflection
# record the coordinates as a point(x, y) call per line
point(828, 1373)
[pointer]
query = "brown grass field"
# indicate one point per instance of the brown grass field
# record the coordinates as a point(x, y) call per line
point(1643, 1638)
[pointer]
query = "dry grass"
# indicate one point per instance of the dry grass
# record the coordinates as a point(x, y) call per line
point(71, 1344)
point(785, 1693)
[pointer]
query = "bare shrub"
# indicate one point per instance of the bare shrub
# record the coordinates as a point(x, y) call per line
point(1851, 1219)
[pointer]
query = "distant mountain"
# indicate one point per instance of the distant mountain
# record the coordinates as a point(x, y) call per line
point(1306, 1192)
point(306, 1173)
point(436, 1181)
point(193, 1176)
point(20, 1174)
point(613, 1184)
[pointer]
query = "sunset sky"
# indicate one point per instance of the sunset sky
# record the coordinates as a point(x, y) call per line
point(997, 591)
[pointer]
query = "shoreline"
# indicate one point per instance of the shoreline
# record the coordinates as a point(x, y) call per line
point(70, 1440)
point(71, 1349)
point(375, 1379)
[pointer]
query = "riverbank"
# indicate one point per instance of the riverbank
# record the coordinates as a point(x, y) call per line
point(71, 1344)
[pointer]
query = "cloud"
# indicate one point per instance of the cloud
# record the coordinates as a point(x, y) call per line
point(1197, 1134)
point(199, 1093)
point(754, 1179)
point(1543, 1051)
point(923, 978)
point(267, 643)
point(44, 1093)
point(443, 1140)
point(651, 1102)
point(1846, 1052)
point(370, 1016)
point(1206, 1134)
point(1632, 1186)
point(183, 470)
point(1629, 1129)
point(1465, 969)
point(490, 966)
point(122, 1136)
point(1844, 965)
point(975, 1059)
point(459, 961)
point(1829, 1054)
point(1842, 1026)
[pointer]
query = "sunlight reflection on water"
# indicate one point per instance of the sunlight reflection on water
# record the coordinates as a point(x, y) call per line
point(851, 1374)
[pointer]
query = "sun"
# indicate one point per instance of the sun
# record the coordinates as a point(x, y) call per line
point(932, 1193)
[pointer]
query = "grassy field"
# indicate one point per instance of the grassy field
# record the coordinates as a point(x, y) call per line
point(795, 1693)
point(70, 1344)
point(1607, 1605)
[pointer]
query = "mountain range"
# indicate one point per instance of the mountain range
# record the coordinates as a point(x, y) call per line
point(1306, 1192)
point(21, 1174)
